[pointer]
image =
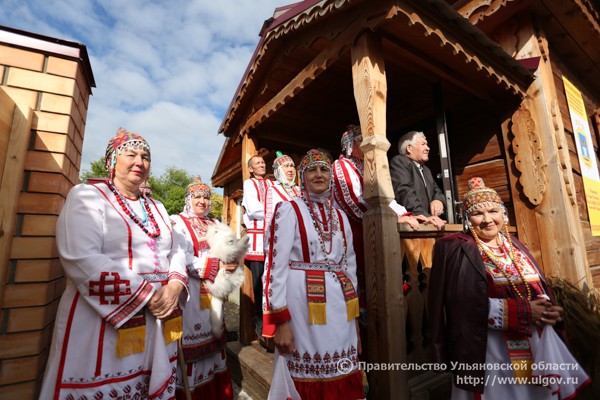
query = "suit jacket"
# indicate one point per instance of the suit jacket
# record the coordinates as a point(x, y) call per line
point(410, 189)
point(458, 306)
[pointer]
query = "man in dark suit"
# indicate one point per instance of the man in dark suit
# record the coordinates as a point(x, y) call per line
point(414, 186)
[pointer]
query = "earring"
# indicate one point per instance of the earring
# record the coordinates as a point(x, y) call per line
point(466, 224)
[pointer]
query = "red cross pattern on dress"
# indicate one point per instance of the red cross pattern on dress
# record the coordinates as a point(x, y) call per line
point(107, 287)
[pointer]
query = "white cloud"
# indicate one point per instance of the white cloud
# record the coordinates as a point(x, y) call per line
point(164, 69)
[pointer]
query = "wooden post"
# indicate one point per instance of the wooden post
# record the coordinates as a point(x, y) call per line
point(17, 119)
point(547, 214)
point(247, 334)
point(385, 302)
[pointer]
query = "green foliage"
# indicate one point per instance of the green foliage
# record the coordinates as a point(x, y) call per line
point(169, 188)
point(216, 205)
point(97, 170)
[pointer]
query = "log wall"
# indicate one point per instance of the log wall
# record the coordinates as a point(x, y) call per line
point(34, 186)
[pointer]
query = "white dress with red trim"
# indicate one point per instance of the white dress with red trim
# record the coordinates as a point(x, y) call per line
point(311, 282)
point(255, 191)
point(348, 188)
point(106, 344)
point(204, 354)
point(517, 350)
point(275, 195)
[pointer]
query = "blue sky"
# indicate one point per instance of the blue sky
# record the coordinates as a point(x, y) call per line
point(166, 69)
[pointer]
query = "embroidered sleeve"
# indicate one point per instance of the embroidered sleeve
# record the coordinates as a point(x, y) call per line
point(510, 315)
point(350, 255)
point(111, 288)
point(270, 203)
point(348, 189)
point(178, 257)
point(496, 314)
point(207, 267)
point(252, 204)
point(283, 233)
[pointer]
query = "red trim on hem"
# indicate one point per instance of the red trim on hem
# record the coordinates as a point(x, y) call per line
point(63, 355)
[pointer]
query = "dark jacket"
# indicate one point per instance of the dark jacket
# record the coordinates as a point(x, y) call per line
point(458, 305)
point(410, 190)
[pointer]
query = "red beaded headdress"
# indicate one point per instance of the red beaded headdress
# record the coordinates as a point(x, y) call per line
point(123, 140)
point(198, 188)
point(313, 157)
point(194, 190)
point(480, 195)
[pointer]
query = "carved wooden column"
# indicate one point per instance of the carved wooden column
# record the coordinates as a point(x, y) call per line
point(546, 211)
point(385, 303)
point(247, 333)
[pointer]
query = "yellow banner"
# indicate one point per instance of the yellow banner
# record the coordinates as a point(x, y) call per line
point(585, 153)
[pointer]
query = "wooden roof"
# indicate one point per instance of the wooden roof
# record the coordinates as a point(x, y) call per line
point(572, 28)
point(297, 91)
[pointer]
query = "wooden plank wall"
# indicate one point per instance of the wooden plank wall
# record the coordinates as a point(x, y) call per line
point(477, 150)
point(57, 92)
point(592, 243)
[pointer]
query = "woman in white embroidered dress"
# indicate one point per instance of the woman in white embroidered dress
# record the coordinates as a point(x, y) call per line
point(310, 289)
point(206, 373)
point(118, 320)
point(492, 314)
point(284, 188)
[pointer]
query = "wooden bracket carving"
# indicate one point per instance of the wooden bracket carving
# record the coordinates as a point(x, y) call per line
point(475, 11)
point(529, 158)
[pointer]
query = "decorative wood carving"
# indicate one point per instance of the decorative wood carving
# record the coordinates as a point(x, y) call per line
point(476, 11)
point(445, 38)
point(529, 158)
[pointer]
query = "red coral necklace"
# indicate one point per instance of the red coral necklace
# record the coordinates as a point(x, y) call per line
point(132, 214)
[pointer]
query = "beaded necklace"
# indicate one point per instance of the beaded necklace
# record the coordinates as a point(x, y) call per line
point(148, 216)
point(200, 225)
point(324, 227)
point(498, 261)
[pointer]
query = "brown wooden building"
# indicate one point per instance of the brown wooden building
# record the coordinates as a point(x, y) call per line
point(45, 85)
point(482, 79)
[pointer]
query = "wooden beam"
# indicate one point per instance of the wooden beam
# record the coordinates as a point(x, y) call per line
point(363, 19)
point(247, 333)
point(12, 177)
point(385, 303)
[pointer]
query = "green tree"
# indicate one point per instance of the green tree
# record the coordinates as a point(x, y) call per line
point(170, 187)
point(97, 170)
point(216, 205)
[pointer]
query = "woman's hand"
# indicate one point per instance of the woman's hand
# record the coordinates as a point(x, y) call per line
point(284, 338)
point(165, 299)
point(543, 312)
point(228, 267)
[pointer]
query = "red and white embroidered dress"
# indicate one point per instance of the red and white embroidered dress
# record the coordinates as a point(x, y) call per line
point(204, 354)
point(348, 188)
point(255, 191)
point(113, 269)
point(320, 348)
point(275, 195)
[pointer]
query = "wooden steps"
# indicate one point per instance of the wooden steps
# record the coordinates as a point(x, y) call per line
point(251, 368)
